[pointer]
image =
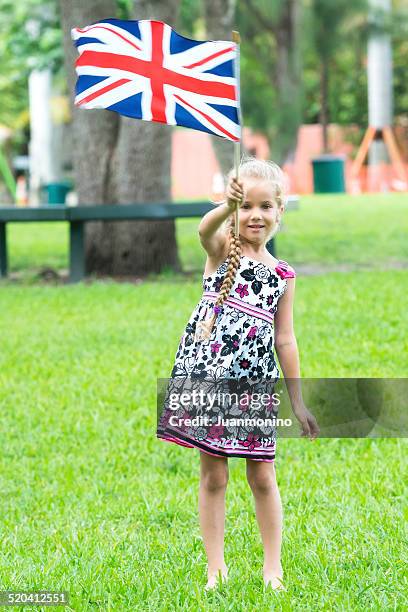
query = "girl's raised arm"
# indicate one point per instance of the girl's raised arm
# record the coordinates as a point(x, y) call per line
point(213, 239)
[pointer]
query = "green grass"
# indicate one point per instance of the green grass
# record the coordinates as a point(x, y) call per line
point(326, 229)
point(344, 229)
point(330, 230)
point(94, 504)
point(34, 245)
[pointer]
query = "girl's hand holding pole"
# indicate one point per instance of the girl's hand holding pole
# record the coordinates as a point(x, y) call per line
point(234, 193)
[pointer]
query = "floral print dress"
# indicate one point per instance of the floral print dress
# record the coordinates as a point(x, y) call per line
point(239, 355)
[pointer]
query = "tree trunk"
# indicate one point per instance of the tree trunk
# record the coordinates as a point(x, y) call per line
point(120, 160)
point(95, 134)
point(282, 22)
point(144, 174)
point(288, 80)
point(219, 20)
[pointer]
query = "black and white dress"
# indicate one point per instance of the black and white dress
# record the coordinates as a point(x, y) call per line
point(239, 358)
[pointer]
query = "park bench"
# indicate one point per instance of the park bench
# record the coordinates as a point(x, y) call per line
point(77, 216)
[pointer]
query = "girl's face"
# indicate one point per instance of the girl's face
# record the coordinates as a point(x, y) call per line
point(259, 212)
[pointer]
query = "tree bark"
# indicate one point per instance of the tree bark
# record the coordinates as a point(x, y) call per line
point(95, 134)
point(283, 24)
point(288, 79)
point(144, 174)
point(219, 21)
point(120, 160)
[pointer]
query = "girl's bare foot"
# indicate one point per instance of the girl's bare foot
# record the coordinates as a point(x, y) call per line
point(274, 578)
point(214, 576)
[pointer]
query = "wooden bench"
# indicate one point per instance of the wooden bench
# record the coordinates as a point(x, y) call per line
point(77, 216)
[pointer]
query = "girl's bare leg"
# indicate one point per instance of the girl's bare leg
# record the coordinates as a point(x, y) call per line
point(211, 505)
point(262, 480)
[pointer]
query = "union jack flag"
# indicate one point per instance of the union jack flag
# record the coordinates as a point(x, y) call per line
point(146, 70)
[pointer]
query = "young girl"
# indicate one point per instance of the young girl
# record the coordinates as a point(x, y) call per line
point(249, 295)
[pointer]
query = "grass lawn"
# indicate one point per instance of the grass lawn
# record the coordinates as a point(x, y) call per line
point(94, 504)
point(330, 229)
point(326, 229)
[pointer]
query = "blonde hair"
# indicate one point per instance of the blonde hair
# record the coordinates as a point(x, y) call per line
point(249, 167)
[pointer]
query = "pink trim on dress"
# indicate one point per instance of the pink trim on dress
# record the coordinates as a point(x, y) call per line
point(227, 454)
point(247, 307)
point(285, 270)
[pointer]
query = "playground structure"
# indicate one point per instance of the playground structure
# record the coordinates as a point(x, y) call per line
point(379, 142)
point(383, 135)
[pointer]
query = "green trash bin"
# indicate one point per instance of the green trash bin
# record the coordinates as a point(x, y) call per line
point(328, 174)
point(57, 192)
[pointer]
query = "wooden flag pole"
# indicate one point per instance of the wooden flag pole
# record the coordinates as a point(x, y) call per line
point(237, 145)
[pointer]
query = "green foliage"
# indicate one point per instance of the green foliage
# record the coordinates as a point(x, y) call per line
point(124, 9)
point(347, 95)
point(334, 27)
point(331, 22)
point(258, 96)
point(191, 12)
point(271, 99)
point(338, 31)
point(31, 34)
point(30, 37)
point(400, 54)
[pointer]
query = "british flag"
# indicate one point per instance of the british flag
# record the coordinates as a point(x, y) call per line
point(146, 70)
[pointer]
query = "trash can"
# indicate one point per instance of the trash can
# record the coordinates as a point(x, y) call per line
point(328, 174)
point(56, 192)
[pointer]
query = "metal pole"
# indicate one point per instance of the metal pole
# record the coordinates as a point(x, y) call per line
point(379, 73)
point(3, 250)
point(237, 145)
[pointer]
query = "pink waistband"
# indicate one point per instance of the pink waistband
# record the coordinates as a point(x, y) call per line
point(250, 309)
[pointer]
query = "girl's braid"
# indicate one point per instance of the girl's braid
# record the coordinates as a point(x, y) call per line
point(234, 255)
point(204, 328)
